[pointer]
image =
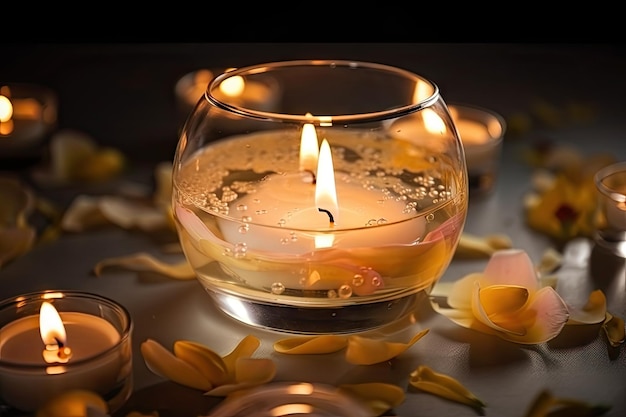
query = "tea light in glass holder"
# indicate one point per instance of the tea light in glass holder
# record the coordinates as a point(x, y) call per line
point(191, 87)
point(28, 113)
point(611, 185)
point(53, 342)
point(482, 133)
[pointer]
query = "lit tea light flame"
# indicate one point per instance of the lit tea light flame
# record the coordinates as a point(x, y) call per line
point(6, 109)
point(309, 151)
point(53, 335)
point(432, 122)
point(233, 86)
point(326, 193)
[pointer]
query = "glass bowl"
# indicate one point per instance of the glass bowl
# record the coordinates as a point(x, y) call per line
point(327, 211)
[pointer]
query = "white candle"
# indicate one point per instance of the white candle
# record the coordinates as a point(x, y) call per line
point(274, 232)
point(32, 372)
point(611, 184)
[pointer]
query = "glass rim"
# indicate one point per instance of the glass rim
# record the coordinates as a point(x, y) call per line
point(605, 172)
point(383, 114)
point(125, 332)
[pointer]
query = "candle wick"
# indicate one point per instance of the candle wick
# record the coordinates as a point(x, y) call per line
point(330, 215)
point(64, 353)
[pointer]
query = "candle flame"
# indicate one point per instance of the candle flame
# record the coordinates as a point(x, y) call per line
point(51, 326)
point(325, 191)
point(309, 151)
point(432, 122)
point(233, 86)
point(6, 109)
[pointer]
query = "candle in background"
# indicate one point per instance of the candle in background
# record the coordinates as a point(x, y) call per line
point(52, 342)
point(482, 133)
point(611, 185)
point(191, 87)
point(28, 113)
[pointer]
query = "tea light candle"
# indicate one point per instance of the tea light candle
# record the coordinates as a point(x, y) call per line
point(276, 233)
point(192, 86)
point(481, 132)
point(45, 354)
point(295, 202)
point(27, 114)
point(611, 185)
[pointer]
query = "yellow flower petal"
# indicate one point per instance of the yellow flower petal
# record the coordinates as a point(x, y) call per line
point(498, 299)
point(365, 351)
point(471, 246)
point(250, 372)
point(377, 396)
point(425, 379)
point(593, 312)
point(207, 362)
point(614, 329)
point(245, 348)
point(163, 363)
point(311, 344)
point(144, 262)
point(15, 242)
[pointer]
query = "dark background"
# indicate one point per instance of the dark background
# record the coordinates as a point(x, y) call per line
point(122, 94)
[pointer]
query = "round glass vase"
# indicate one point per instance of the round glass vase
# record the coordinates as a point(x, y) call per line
point(328, 213)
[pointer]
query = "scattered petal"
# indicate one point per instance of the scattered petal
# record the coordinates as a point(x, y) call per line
point(311, 344)
point(144, 262)
point(15, 242)
point(471, 246)
point(547, 405)
point(245, 348)
point(614, 329)
point(506, 300)
point(377, 396)
point(593, 312)
point(208, 363)
point(249, 372)
point(163, 363)
point(425, 379)
point(365, 351)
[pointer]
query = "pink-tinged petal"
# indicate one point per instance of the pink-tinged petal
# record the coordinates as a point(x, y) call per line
point(593, 312)
point(460, 295)
point(511, 267)
point(481, 315)
point(503, 299)
point(550, 313)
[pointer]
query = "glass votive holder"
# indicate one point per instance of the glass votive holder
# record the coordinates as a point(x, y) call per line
point(291, 399)
point(482, 133)
point(610, 182)
point(28, 114)
point(89, 348)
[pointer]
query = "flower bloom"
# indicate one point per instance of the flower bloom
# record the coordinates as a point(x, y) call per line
point(507, 300)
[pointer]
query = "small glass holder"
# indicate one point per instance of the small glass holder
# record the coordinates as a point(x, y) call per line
point(28, 114)
point(482, 134)
point(99, 333)
point(291, 399)
point(610, 183)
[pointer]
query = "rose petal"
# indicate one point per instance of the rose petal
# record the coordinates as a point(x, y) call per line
point(311, 344)
point(511, 267)
point(551, 314)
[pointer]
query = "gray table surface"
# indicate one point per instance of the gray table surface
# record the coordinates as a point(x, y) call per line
point(506, 376)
